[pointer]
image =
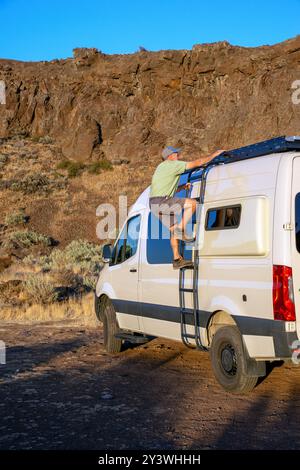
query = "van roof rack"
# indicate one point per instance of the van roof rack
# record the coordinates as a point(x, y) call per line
point(266, 147)
point(277, 145)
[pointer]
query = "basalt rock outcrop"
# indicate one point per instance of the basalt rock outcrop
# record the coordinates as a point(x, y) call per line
point(129, 106)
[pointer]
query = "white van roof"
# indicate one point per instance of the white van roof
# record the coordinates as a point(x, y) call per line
point(141, 203)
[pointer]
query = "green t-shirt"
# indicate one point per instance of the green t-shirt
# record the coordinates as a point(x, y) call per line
point(166, 177)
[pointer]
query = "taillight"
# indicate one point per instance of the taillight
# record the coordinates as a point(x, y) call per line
point(283, 294)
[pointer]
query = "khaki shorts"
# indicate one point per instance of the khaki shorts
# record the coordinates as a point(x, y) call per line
point(167, 209)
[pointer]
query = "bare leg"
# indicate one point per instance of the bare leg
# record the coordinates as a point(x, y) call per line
point(175, 247)
point(189, 209)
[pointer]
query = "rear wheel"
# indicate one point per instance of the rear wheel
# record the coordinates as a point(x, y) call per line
point(110, 328)
point(229, 361)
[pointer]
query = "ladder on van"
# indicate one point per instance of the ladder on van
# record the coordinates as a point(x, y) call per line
point(192, 317)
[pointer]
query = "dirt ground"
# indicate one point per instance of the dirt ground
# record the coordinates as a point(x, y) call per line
point(60, 390)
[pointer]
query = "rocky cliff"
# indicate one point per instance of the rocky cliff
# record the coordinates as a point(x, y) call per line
point(126, 107)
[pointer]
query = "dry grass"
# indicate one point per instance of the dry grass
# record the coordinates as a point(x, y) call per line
point(38, 290)
point(78, 312)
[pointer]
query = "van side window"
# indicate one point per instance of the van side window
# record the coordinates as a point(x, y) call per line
point(297, 221)
point(221, 218)
point(127, 243)
point(159, 250)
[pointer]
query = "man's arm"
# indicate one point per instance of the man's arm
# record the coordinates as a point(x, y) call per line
point(183, 186)
point(197, 163)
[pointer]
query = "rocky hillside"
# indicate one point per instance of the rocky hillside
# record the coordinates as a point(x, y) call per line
point(126, 107)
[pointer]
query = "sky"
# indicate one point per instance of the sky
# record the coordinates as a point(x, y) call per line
point(34, 30)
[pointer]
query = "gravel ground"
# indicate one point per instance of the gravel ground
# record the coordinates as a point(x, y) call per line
point(60, 390)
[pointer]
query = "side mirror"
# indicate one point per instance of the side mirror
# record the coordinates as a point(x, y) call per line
point(107, 253)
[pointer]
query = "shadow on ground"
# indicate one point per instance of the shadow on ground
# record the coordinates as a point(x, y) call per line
point(62, 391)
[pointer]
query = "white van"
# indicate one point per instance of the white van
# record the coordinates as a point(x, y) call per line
point(241, 301)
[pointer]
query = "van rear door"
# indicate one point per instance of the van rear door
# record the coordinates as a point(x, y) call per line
point(295, 242)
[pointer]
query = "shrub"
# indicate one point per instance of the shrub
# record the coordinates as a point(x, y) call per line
point(16, 218)
point(73, 168)
point(31, 184)
point(63, 165)
point(96, 167)
point(45, 140)
point(65, 277)
point(39, 290)
point(26, 238)
point(80, 257)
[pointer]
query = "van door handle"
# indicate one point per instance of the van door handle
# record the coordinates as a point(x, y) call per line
point(133, 270)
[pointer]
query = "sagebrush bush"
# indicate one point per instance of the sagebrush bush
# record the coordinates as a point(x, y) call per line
point(80, 257)
point(76, 168)
point(16, 218)
point(26, 238)
point(63, 165)
point(73, 168)
point(38, 290)
point(31, 184)
point(96, 167)
point(45, 140)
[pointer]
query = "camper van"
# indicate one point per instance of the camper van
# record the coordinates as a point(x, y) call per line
point(240, 301)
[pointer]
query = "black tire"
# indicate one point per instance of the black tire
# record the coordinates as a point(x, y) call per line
point(229, 361)
point(110, 328)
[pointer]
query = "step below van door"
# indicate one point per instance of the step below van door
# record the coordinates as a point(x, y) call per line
point(295, 241)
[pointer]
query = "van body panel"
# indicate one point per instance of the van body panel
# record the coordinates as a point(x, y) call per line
point(236, 286)
point(250, 238)
point(245, 178)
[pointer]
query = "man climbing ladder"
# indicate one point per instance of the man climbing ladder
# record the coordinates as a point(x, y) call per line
point(164, 205)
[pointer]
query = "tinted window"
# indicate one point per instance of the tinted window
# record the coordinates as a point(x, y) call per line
point(297, 221)
point(120, 250)
point(133, 230)
point(127, 243)
point(159, 250)
point(223, 218)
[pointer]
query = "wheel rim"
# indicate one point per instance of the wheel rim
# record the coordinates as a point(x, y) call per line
point(229, 360)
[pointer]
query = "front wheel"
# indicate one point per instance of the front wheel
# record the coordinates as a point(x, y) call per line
point(110, 328)
point(229, 361)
